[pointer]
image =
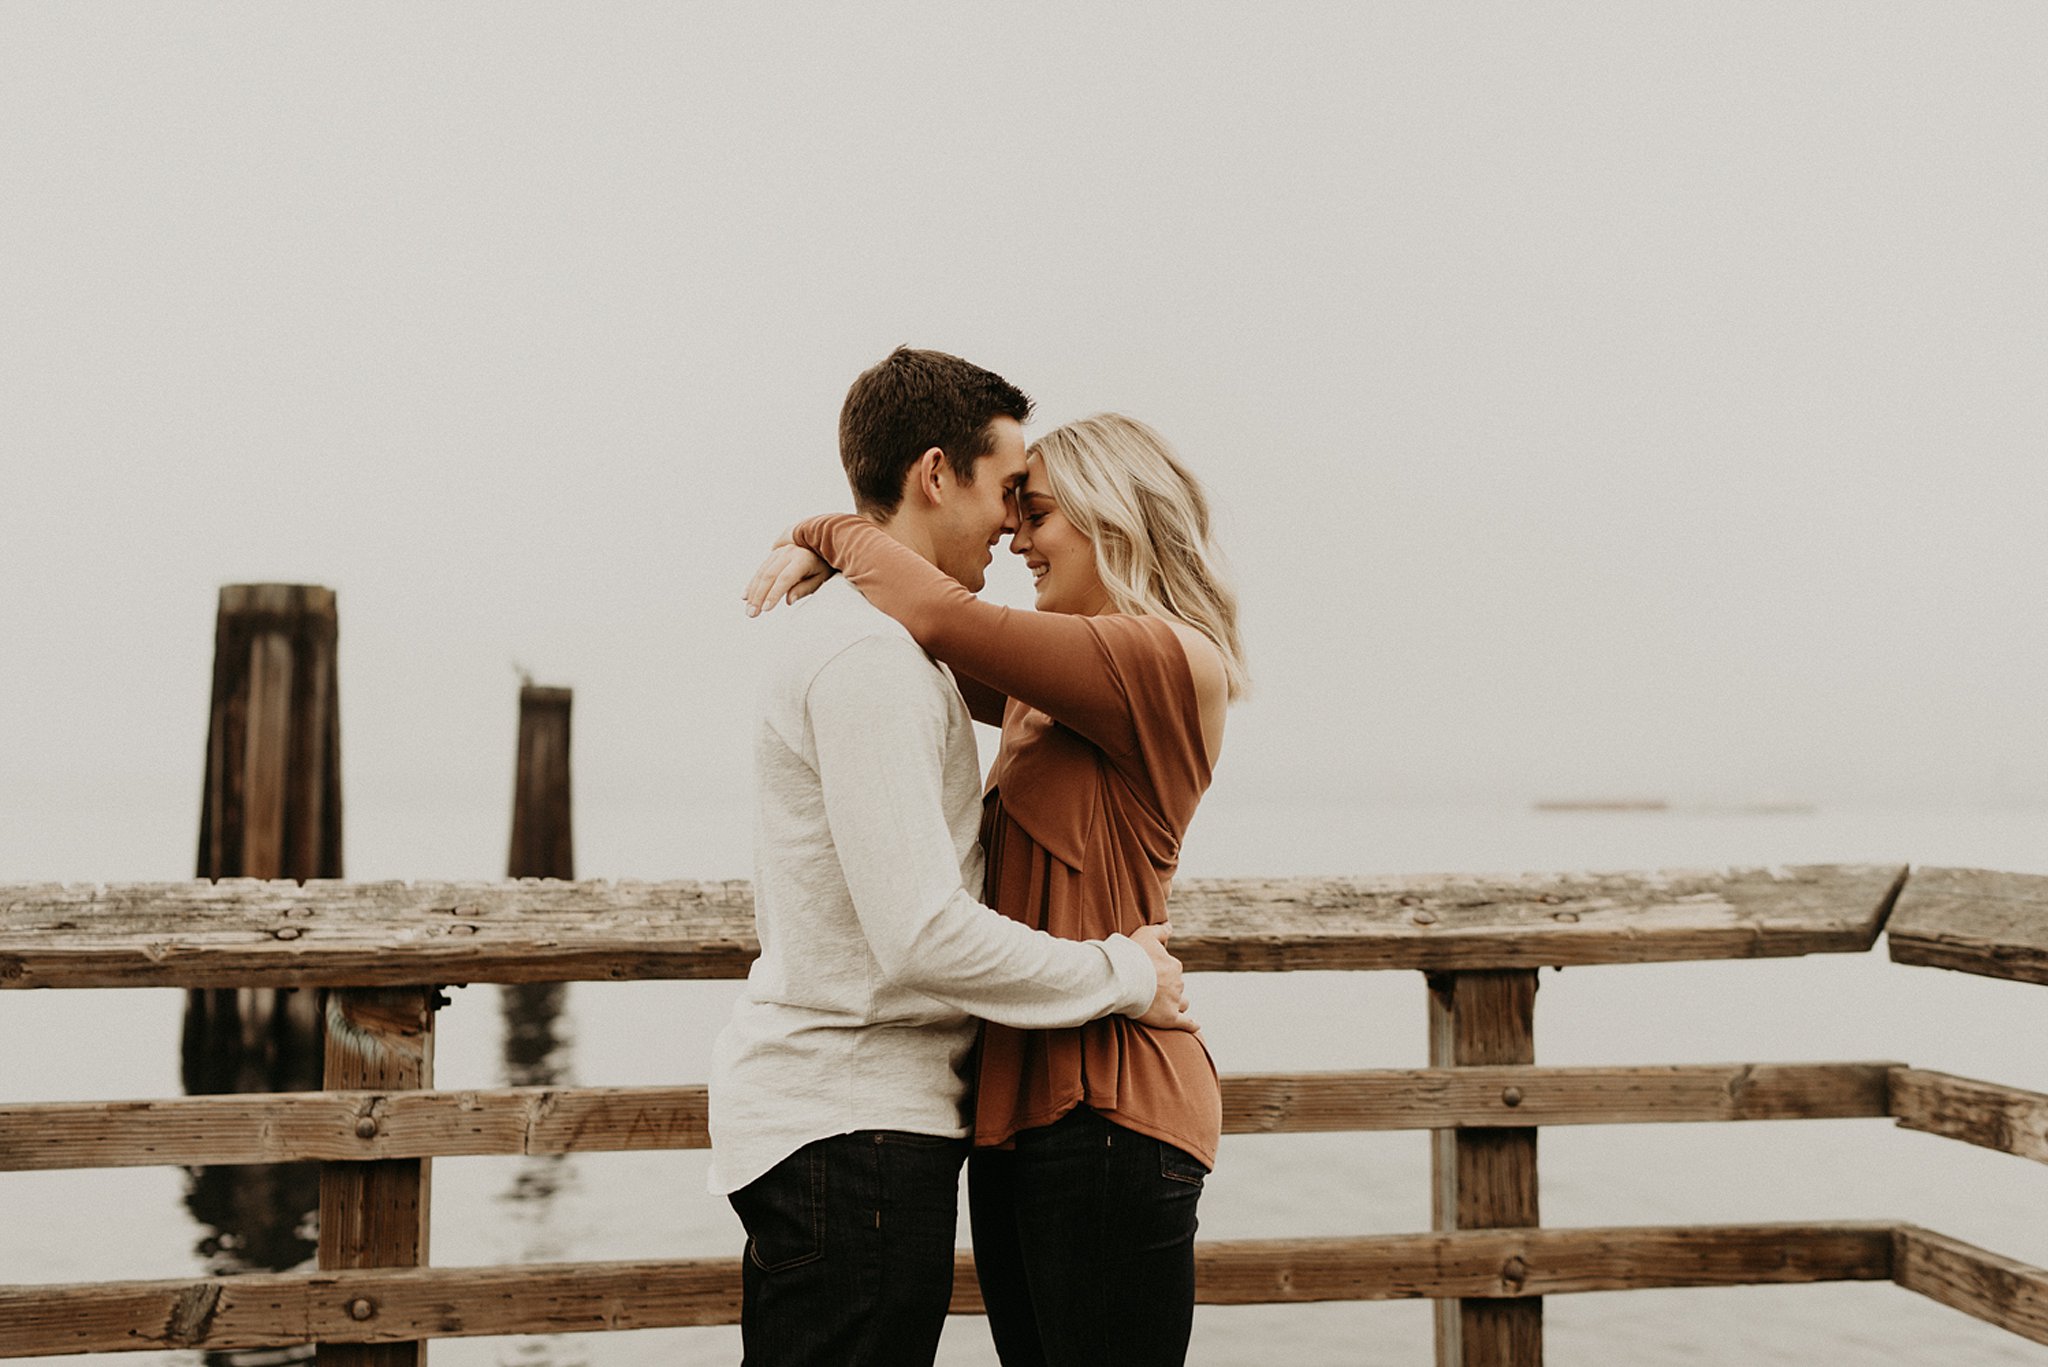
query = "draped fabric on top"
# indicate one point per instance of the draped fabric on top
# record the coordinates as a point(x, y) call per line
point(1102, 767)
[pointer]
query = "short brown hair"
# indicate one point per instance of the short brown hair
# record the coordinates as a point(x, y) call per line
point(909, 402)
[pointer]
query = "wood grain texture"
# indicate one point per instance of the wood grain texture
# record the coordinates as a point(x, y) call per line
point(1982, 1113)
point(539, 1121)
point(237, 933)
point(1973, 921)
point(375, 1214)
point(1998, 1290)
point(1485, 1178)
point(418, 1303)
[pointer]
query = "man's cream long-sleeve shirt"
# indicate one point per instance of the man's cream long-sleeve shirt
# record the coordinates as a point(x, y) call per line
point(875, 957)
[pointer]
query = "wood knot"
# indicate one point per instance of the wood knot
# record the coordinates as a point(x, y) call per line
point(361, 1308)
point(1511, 1096)
point(366, 1127)
point(1423, 918)
point(11, 968)
point(1566, 916)
point(287, 933)
point(462, 928)
point(191, 1317)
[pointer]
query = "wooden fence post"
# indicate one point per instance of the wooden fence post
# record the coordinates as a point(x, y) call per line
point(1485, 1178)
point(271, 808)
point(375, 1213)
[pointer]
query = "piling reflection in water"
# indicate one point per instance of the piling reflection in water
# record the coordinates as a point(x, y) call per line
point(260, 1216)
point(537, 1054)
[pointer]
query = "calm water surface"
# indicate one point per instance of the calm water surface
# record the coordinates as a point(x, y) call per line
point(140, 1222)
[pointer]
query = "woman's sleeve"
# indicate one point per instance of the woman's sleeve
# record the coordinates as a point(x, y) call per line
point(1055, 662)
point(984, 704)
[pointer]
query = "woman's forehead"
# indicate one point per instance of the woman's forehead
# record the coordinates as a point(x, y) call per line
point(1035, 481)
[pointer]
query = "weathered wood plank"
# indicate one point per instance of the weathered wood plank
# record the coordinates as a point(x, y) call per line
point(1982, 1113)
point(370, 934)
point(329, 933)
point(375, 1214)
point(322, 1126)
point(1522, 1096)
point(1973, 921)
point(1998, 1290)
point(1485, 1178)
point(444, 1302)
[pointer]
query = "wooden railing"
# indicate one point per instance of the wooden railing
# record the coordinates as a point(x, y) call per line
point(381, 950)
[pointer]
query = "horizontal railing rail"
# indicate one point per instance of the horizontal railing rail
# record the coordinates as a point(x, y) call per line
point(282, 1127)
point(449, 1302)
point(379, 949)
point(245, 933)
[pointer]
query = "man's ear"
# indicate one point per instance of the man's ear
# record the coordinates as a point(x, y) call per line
point(927, 476)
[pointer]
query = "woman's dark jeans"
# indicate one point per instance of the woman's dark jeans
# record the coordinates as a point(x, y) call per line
point(849, 1259)
point(1084, 1243)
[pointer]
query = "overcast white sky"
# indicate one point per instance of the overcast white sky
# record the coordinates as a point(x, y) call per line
point(1600, 398)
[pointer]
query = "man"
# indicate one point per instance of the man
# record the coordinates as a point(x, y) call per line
point(837, 1090)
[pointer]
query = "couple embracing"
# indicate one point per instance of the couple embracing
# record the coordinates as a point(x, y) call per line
point(907, 917)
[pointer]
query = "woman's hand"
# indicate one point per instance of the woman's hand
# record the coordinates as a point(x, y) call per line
point(789, 573)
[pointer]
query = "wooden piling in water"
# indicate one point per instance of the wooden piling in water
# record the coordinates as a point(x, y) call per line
point(271, 808)
point(273, 747)
point(542, 842)
point(543, 846)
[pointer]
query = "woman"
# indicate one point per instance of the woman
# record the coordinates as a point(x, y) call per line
point(1090, 1143)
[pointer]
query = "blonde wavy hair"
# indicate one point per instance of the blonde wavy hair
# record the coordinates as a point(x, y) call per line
point(1123, 488)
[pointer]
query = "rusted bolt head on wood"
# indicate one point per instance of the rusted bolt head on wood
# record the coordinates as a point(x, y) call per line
point(1514, 1271)
point(361, 1308)
point(1423, 918)
point(366, 1127)
point(287, 933)
point(1511, 1096)
point(1566, 916)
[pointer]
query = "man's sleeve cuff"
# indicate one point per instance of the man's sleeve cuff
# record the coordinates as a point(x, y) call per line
point(1136, 982)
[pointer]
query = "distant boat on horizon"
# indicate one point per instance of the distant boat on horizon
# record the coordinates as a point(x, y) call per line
point(1658, 804)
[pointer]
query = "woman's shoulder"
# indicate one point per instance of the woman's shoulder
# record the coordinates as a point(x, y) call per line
point(1171, 642)
point(1205, 661)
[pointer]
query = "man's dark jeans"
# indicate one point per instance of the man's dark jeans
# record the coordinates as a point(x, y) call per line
point(1084, 1243)
point(849, 1256)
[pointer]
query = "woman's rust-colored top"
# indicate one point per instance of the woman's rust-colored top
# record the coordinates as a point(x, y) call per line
point(1101, 768)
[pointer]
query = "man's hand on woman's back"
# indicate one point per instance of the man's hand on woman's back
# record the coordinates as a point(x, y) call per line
point(1169, 1009)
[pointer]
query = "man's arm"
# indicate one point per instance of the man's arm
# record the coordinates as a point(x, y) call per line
point(878, 725)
